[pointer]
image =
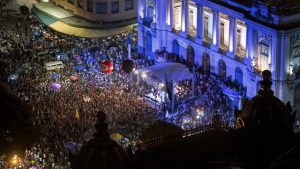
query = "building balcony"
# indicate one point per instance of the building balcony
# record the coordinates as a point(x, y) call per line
point(257, 71)
point(223, 48)
point(207, 42)
point(192, 33)
point(175, 31)
point(240, 55)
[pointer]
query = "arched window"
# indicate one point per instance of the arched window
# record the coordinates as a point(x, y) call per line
point(206, 61)
point(222, 68)
point(190, 56)
point(239, 75)
point(264, 57)
point(177, 5)
point(176, 47)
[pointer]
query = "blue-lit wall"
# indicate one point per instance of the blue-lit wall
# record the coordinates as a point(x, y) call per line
point(265, 47)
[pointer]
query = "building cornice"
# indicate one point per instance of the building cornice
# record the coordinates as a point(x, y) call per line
point(284, 22)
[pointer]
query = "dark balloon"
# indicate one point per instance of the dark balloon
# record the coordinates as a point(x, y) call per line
point(128, 66)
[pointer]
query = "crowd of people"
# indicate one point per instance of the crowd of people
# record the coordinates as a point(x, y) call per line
point(67, 114)
point(208, 99)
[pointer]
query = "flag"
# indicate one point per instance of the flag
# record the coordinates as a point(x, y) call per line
point(167, 87)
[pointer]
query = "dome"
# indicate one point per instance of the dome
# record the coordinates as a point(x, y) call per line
point(265, 113)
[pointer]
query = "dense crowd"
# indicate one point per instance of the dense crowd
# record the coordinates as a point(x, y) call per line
point(208, 100)
point(67, 115)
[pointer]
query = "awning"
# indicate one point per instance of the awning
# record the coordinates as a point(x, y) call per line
point(173, 71)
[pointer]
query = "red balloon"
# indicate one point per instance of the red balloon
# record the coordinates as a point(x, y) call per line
point(106, 66)
point(73, 78)
point(128, 66)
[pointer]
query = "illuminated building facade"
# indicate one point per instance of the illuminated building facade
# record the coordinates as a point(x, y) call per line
point(102, 10)
point(237, 38)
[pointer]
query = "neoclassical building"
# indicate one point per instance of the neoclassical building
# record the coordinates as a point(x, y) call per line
point(238, 38)
point(102, 10)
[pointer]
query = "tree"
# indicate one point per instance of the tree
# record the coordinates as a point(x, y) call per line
point(17, 131)
point(3, 3)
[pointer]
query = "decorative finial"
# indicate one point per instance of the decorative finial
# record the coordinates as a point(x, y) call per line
point(266, 83)
point(266, 75)
point(101, 127)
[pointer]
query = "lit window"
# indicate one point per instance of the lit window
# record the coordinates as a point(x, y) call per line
point(241, 37)
point(263, 59)
point(192, 19)
point(177, 14)
point(208, 25)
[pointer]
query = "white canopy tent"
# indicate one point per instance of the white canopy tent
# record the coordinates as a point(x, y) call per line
point(173, 71)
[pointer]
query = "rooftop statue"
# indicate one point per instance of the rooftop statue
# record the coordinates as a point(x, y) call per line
point(101, 151)
point(265, 113)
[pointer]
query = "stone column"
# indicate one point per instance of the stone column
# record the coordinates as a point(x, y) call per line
point(144, 7)
point(254, 44)
point(216, 36)
point(157, 12)
point(170, 27)
point(184, 12)
point(232, 37)
point(168, 14)
point(199, 36)
point(139, 8)
point(187, 15)
point(273, 54)
point(249, 41)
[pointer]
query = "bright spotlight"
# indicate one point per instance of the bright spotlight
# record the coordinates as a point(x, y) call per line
point(161, 85)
